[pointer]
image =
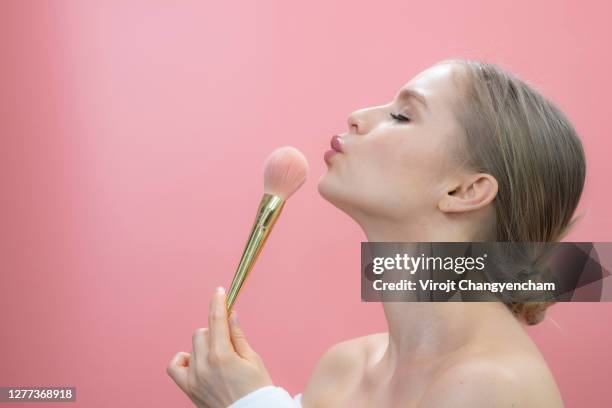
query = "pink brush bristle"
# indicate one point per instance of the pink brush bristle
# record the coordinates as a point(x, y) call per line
point(284, 171)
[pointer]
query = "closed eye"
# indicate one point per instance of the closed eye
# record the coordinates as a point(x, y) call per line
point(400, 118)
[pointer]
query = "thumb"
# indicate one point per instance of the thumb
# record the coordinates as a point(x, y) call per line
point(241, 345)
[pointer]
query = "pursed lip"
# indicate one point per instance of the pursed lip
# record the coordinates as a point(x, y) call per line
point(336, 143)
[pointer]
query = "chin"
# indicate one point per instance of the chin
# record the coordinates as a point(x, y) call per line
point(325, 187)
point(333, 191)
point(329, 188)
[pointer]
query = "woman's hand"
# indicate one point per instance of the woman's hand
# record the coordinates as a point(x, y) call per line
point(222, 366)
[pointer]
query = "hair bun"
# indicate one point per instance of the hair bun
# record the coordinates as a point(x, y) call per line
point(530, 312)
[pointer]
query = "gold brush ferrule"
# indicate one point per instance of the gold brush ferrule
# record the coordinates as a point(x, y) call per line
point(269, 209)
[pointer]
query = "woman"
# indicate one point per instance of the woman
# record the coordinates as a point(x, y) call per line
point(465, 152)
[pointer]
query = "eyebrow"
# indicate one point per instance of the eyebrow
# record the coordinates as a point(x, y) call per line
point(409, 93)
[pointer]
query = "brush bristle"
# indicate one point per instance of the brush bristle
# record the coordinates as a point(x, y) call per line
point(284, 171)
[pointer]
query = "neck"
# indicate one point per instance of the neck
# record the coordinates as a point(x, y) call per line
point(424, 332)
point(428, 331)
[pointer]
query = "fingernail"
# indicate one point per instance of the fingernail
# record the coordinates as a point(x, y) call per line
point(220, 289)
point(234, 317)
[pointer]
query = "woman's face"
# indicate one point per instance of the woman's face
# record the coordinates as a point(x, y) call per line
point(394, 167)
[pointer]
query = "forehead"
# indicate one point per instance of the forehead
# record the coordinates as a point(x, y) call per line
point(436, 84)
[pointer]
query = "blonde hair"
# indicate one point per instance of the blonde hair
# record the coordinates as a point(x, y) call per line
point(527, 143)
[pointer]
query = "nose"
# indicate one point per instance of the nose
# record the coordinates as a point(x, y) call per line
point(355, 123)
point(362, 121)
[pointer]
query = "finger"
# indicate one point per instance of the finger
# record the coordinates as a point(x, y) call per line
point(241, 345)
point(199, 342)
point(178, 368)
point(220, 343)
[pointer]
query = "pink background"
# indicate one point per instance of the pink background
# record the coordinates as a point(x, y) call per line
point(133, 135)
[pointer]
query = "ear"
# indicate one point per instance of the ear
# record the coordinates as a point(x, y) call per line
point(471, 193)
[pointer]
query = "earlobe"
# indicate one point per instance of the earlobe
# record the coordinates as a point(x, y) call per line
point(473, 193)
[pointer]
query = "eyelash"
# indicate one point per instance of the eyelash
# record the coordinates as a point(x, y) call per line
point(400, 118)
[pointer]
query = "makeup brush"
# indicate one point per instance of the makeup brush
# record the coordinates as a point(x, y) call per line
point(284, 172)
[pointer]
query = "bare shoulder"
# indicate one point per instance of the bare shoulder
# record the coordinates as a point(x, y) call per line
point(494, 379)
point(338, 368)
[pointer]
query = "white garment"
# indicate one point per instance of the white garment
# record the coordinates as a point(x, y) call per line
point(269, 396)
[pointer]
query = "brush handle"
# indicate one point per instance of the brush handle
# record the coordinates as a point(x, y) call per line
point(269, 209)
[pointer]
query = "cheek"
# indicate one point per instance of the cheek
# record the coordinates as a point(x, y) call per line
point(408, 169)
point(426, 158)
point(381, 177)
point(403, 160)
